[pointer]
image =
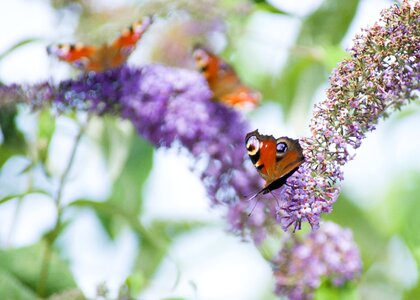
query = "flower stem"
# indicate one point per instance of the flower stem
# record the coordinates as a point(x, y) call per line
point(14, 224)
point(52, 236)
point(15, 220)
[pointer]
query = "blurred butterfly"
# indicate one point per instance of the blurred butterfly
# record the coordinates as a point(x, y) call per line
point(223, 81)
point(275, 159)
point(107, 56)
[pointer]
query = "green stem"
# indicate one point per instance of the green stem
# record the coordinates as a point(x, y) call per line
point(50, 239)
point(15, 218)
point(32, 153)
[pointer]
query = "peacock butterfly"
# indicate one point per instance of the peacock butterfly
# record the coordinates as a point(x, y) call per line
point(275, 159)
point(107, 56)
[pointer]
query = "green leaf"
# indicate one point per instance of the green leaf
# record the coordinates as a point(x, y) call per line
point(12, 288)
point(414, 293)
point(127, 189)
point(332, 56)
point(105, 208)
point(154, 239)
point(329, 23)
point(410, 110)
point(115, 139)
point(25, 265)
point(14, 141)
point(72, 294)
point(10, 197)
point(18, 45)
point(16, 196)
point(268, 7)
point(153, 243)
point(370, 240)
point(111, 210)
point(7, 198)
point(402, 207)
point(297, 83)
point(46, 128)
point(328, 291)
point(316, 52)
point(135, 282)
point(164, 232)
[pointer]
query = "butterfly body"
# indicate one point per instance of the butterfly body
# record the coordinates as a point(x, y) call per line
point(275, 159)
point(223, 80)
point(107, 56)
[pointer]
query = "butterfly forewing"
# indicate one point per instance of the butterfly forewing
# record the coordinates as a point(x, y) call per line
point(126, 42)
point(91, 58)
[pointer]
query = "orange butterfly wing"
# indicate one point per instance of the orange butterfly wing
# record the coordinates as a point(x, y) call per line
point(76, 54)
point(125, 44)
point(275, 159)
point(267, 159)
point(223, 80)
point(242, 96)
point(91, 58)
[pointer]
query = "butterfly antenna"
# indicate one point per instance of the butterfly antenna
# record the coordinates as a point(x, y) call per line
point(255, 205)
point(277, 200)
point(253, 196)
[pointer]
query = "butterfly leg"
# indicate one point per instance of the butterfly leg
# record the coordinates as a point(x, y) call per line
point(298, 225)
point(288, 184)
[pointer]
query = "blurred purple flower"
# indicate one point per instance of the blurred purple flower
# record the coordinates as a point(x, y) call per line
point(10, 94)
point(328, 253)
point(171, 108)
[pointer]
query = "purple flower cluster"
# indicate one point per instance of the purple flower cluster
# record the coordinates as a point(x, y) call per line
point(328, 253)
point(382, 75)
point(10, 94)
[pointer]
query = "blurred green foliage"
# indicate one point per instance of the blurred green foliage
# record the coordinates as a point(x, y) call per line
point(316, 52)
point(264, 5)
point(21, 267)
point(14, 142)
point(130, 178)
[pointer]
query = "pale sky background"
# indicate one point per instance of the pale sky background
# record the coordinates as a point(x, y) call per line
point(217, 263)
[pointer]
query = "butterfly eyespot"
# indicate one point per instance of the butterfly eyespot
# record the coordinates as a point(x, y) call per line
point(252, 145)
point(63, 47)
point(281, 147)
point(200, 57)
point(203, 68)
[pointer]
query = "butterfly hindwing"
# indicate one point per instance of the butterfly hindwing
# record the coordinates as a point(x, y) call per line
point(223, 80)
